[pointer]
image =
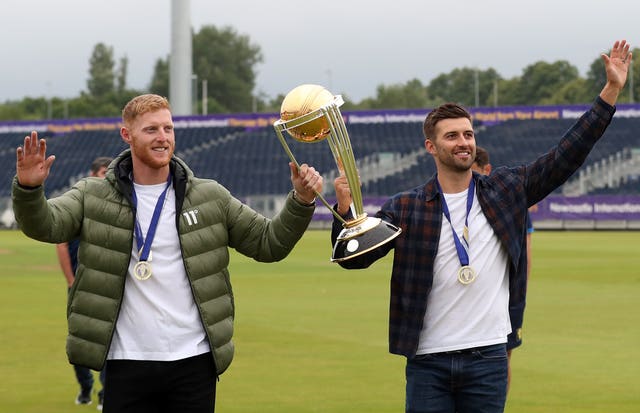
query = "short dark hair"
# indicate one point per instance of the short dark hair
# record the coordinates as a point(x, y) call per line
point(444, 111)
point(482, 157)
point(102, 161)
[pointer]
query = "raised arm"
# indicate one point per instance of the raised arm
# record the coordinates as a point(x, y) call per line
point(617, 66)
point(32, 163)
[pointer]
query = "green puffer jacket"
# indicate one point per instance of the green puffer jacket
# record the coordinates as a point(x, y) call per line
point(209, 221)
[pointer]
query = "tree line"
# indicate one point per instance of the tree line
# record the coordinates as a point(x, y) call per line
point(228, 61)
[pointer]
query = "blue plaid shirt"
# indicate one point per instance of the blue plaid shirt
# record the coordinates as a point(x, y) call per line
point(504, 197)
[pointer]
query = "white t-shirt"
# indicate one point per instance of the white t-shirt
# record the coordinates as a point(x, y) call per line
point(463, 316)
point(158, 318)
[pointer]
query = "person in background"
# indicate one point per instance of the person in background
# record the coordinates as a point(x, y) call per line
point(482, 165)
point(458, 280)
point(152, 296)
point(68, 258)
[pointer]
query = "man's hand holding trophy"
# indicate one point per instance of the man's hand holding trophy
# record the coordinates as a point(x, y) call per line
point(310, 113)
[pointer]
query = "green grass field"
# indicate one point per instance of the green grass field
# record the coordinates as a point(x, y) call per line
point(312, 337)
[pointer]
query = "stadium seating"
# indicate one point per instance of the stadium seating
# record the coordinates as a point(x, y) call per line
point(253, 162)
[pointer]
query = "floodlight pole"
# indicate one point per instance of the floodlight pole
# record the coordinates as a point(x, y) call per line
point(180, 65)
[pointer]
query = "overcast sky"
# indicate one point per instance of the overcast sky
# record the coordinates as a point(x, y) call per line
point(349, 46)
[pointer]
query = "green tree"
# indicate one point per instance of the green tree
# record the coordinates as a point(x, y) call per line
point(634, 76)
point(576, 91)
point(11, 111)
point(540, 81)
point(121, 79)
point(101, 71)
point(265, 104)
point(107, 86)
point(227, 61)
point(460, 85)
point(26, 109)
point(412, 94)
point(508, 91)
point(90, 106)
point(160, 80)
point(596, 76)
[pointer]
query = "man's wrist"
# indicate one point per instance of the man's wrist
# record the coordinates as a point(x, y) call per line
point(301, 201)
point(27, 186)
point(610, 93)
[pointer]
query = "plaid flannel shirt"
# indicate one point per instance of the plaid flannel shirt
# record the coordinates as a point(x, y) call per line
point(504, 197)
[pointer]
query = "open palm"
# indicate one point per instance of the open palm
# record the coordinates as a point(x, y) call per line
point(32, 164)
point(617, 63)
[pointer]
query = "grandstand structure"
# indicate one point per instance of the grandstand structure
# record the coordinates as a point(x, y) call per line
point(243, 154)
point(248, 159)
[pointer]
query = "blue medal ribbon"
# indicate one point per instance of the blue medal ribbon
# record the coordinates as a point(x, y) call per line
point(461, 248)
point(144, 245)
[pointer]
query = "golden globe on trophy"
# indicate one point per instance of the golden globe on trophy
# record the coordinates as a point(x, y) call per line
point(309, 114)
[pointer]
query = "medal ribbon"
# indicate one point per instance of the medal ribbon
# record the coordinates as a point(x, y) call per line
point(462, 247)
point(144, 245)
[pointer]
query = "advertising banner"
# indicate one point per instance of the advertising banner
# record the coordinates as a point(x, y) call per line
point(594, 207)
point(482, 115)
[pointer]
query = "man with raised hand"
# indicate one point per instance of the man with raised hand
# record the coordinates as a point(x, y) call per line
point(458, 280)
point(152, 296)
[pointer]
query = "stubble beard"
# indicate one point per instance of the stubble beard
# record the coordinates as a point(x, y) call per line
point(146, 157)
point(454, 164)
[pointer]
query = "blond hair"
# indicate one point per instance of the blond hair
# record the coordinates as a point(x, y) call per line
point(142, 104)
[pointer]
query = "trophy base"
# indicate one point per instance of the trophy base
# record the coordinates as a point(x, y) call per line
point(363, 236)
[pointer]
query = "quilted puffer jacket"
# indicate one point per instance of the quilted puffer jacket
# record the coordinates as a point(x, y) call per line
point(209, 222)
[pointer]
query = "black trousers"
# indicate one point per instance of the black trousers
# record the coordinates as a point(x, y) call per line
point(181, 386)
